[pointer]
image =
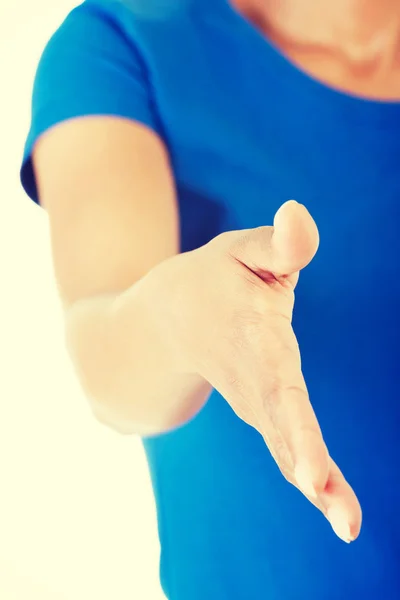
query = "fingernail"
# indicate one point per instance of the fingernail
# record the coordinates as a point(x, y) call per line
point(304, 481)
point(340, 525)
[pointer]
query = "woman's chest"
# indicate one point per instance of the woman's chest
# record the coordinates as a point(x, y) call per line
point(246, 133)
point(247, 163)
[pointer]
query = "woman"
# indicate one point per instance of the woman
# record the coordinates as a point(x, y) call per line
point(166, 137)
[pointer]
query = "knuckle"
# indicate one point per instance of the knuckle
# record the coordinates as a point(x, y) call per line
point(273, 396)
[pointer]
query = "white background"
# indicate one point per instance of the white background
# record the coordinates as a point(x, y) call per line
point(77, 516)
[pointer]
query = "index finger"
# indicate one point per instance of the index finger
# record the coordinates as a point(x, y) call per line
point(287, 409)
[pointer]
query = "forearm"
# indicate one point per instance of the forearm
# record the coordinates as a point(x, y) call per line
point(124, 366)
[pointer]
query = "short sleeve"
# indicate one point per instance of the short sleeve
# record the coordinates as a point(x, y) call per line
point(90, 66)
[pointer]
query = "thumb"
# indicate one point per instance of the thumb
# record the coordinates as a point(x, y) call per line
point(295, 238)
point(283, 249)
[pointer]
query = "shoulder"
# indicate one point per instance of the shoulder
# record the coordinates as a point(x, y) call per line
point(141, 11)
point(137, 23)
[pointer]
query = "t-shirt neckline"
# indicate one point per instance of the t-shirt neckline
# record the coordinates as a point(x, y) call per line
point(383, 112)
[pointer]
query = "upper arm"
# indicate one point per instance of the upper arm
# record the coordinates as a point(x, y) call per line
point(108, 189)
point(94, 157)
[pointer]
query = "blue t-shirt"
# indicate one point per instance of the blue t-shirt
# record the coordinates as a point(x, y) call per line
point(247, 130)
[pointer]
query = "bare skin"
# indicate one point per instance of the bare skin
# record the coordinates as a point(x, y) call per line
point(143, 375)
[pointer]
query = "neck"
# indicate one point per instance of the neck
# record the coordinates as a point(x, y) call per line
point(360, 29)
